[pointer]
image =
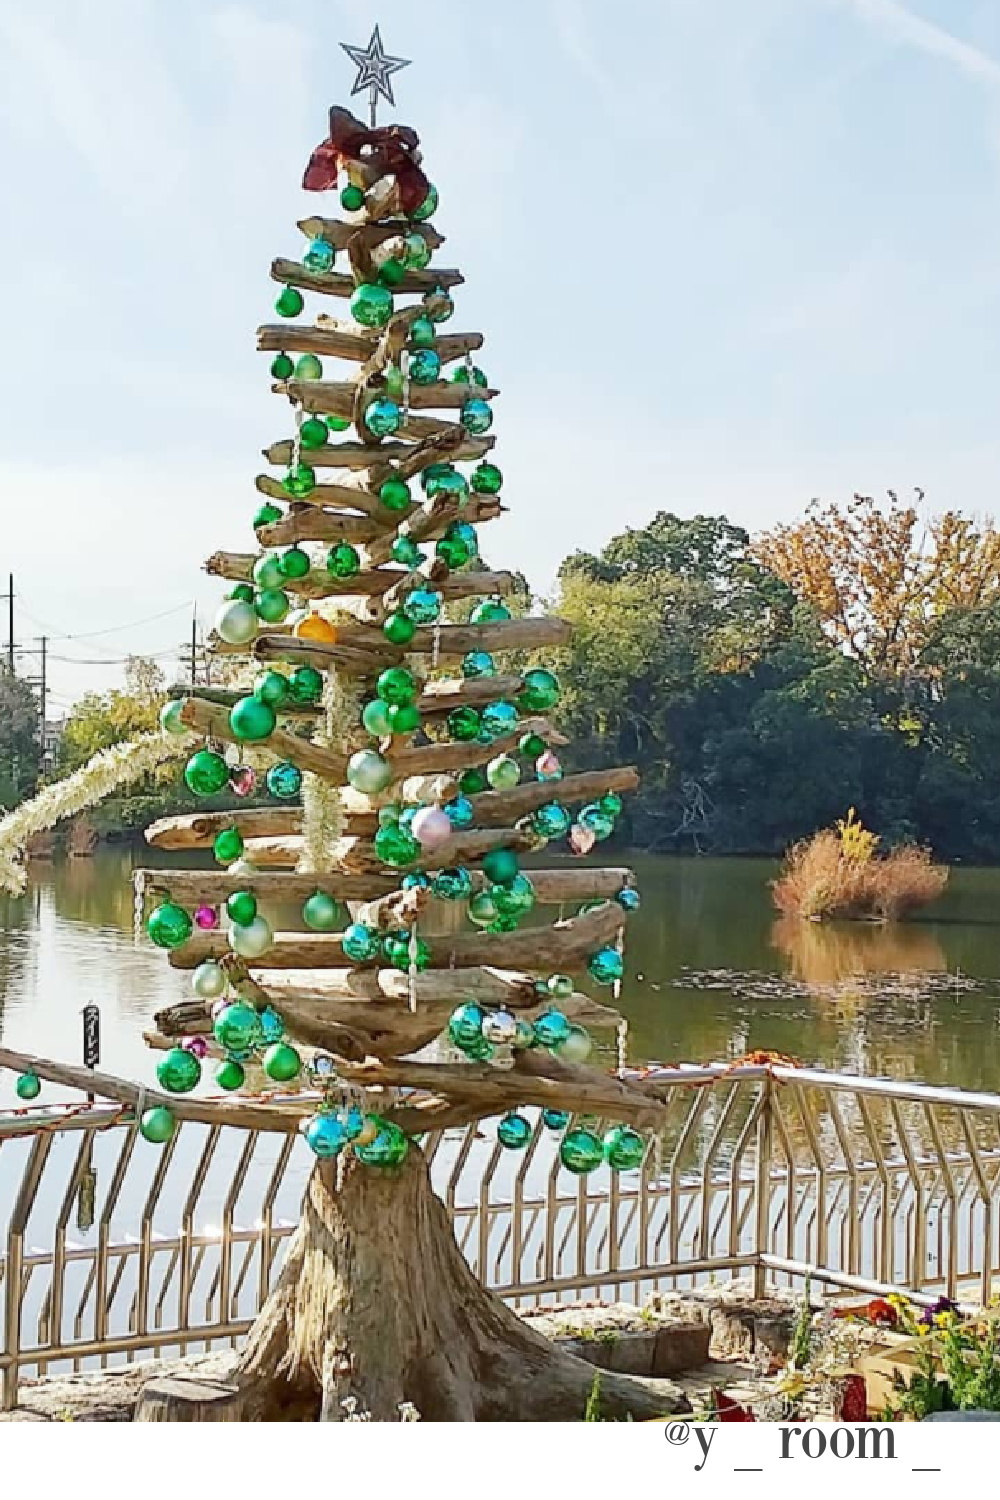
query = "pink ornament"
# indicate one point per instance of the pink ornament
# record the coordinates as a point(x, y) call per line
point(431, 827)
point(196, 1045)
point(548, 766)
point(219, 1006)
point(581, 840)
point(206, 917)
point(243, 780)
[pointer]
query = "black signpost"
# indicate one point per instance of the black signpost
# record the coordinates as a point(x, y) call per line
point(91, 1039)
point(87, 1194)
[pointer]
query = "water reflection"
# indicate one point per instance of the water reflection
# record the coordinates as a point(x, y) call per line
point(825, 954)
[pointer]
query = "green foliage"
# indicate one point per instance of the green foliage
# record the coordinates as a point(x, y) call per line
point(801, 1348)
point(20, 752)
point(592, 1410)
point(100, 720)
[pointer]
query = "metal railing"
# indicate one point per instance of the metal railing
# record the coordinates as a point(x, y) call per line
point(115, 1248)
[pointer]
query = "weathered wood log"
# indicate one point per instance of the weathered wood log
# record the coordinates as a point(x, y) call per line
point(340, 234)
point(359, 857)
point(347, 659)
point(214, 722)
point(425, 523)
point(430, 760)
point(198, 830)
point(307, 524)
point(446, 693)
point(527, 634)
point(347, 497)
point(492, 808)
point(348, 341)
point(181, 1398)
point(337, 396)
point(336, 284)
point(228, 697)
point(350, 455)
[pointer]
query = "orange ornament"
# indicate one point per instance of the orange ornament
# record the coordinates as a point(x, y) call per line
point(315, 628)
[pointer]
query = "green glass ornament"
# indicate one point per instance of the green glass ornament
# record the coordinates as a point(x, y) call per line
point(320, 912)
point(596, 820)
point(560, 986)
point(390, 813)
point(235, 1027)
point(422, 606)
point(422, 333)
point(428, 206)
point(290, 302)
point(387, 1150)
point(515, 899)
point(424, 366)
point(206, 773)
point(551, 821)
point(463, 723)
point(488, 610)
point(398, 629)
point(178, 1071)
point(383, 418)
point(531, 745)
point(228, 845)
point(352, 198)
point(241, 907)
point(406, 552)
point(282, 367)
point(391, 273)
point(313, 433)
point(555, 1119)
point(394, 494)
point(439, 305)
point(397, 951)
point(284, 780)
point(281, 1062)
point(472, 781)
point(305, 685)
point(28, 1086)
point(299, 481)
point(168, 925)
point(375, 718)
point(483, 909)
point(452, 884)
point(229, 1075)
point(371, 305)
point(503, 772)
point(294, 563)
point(157, 1125)
point(266, 515)
point(464, 374)
point(170, 717)
point(606, 965)
point(465, 1024)
point(501, 866)
point(343, 561)
point(418, 252)
point(404, 718)
point(395, 846)
point(250, 719)
point(444, 479)
point(611, 804)
point(271, 687)
point(308, 367)
point(393, 377)
point(539, 691)
point(335, 423)
point(320, 255)
point(486, 479)
point(369, 772)
point(551, 1028)
point(524, 1035)
point(624, 1148)
point(514, 1131)
point(478, 664)
point(243, 592)
point(453, 550)
point(581, 1151)
point(360, 943)
point(477, 416)
point(271, 605)
point(396, 685)
point(576, 1046)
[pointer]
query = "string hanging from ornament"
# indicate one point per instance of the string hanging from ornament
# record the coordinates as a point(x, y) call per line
point(436, 645)
point(412, 971)
point(138, 906)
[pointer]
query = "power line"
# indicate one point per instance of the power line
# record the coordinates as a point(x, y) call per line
point(86, 635)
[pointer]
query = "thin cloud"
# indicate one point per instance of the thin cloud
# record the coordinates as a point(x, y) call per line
point(901, 23)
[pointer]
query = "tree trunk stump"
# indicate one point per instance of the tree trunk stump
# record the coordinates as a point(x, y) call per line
point(376, 1305)
point(179, 1398)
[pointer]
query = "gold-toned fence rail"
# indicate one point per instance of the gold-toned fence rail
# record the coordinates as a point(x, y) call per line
point(114, 1248)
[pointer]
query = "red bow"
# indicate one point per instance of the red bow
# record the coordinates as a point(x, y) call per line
point(728, 1410)
point(394, 146)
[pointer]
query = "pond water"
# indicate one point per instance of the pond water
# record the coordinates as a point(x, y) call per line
point(711, 973)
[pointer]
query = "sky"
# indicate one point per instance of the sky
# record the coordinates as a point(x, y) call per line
point(727, 255)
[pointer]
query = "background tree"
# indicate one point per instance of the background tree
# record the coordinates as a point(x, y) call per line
point(20, 748)
point(99, 720)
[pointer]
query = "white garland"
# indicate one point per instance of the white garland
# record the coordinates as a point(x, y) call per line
point(92, 783)
point(322, 804)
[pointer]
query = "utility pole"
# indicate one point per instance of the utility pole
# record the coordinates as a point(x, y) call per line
point(41, 693)
point(194, 645)
point(9, 596)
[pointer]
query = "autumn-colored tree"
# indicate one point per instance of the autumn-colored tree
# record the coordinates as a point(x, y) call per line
point(881, 576)
point(100, 720)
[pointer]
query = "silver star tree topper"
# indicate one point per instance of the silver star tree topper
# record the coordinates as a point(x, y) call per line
point(375, 68)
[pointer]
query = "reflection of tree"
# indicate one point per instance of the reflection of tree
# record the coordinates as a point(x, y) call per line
point(18, 918)
point(95, 891)
point(823, 953)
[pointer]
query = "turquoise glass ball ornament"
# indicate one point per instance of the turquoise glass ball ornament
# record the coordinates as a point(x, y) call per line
point(343, 561)
point(465, 1024)
point(313, 433)
point(289, 302)
point(208, 981)
point(551, 821)
point(250, 719)
point(305, 685)
point(425, 366)
point(241, 907)
point(540, 691)
point(284, 781)
point(387, 1150)
point(421, 333)
point(308, 367)
point(253, 940)
point(581, 1151)
point(266, 515)
point(439, 305)
point(396, 685)
point(371, 305)
point(606, 966)
point(551, 1028)
point(375, 718)
point(28, 1086)
point(271, 687)
point(422, 606)
point(461, 812)
point(396, 846)
point(483, 909)
point(463, 723)
point(524, 1035)
point(281, 1062)
point(503, 772)
point(320, 255)
point(294, 563)
point(596, 820)
point(271, 605)
point(206, 773)
point(416, 881)
point(444, 479)
point(320, 912)
point(478, 664)
point(235, 1027)
point(576, 1047)
point(628, 898)
point(428, 206)
point(369, 772)
point(406, 552)
point(499, 718)
point(501, 866)
point(394, 494)
point(281, 367)
point(489, 610)
point(267, 571)
point(157, 1125)
point(325, 1134)
point(300, 481)
point(170, 717)
point(560, 986)
point(453, 884)
point(555, 1119)
point(178, 1071)
point(383, 417)
point(230, 1075)
point(514, 1131)
point(486, 479)
point(624, 1148)
point(361, 943)
point(236, 622)
point(477, 416)
point(168, 925)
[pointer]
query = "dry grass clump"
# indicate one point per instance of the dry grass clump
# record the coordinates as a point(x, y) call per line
point(824, 877)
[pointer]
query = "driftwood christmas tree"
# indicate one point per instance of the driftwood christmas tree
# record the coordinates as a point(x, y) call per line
point(369, 938)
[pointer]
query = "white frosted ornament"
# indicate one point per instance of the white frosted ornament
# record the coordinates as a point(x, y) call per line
point(576, 1046)
point(253, 940)
point(500, 1028)
point(209, 980)
point(369, 772)
point(236, 622)
point(431, 827)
